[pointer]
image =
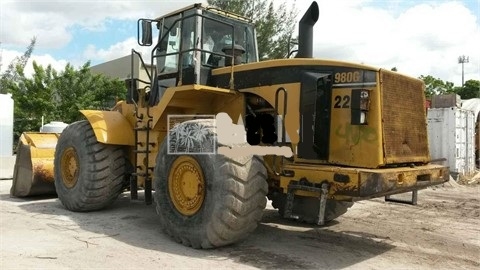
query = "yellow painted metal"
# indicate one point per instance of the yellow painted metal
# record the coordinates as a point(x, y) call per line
point(190, 99)
point(405, 137)
point(182, 100)
point(292, 117)
point(33, 171)
point(291, 62)
point(186, 185)
point(144, 160)
point(116, 127)
point(358, 183)
point(203, 6)
point(110, 127)
point(350, 143)
point(70, 167)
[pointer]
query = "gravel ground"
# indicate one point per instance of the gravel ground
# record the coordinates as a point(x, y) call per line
point(441, 232)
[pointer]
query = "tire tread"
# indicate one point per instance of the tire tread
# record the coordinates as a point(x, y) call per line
point(102, 170)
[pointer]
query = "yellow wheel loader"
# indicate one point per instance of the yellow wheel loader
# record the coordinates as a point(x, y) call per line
point(207, 132)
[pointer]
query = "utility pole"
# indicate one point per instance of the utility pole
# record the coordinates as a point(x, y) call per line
point(462, 60)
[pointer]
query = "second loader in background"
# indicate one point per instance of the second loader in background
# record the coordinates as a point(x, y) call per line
point(33, 172)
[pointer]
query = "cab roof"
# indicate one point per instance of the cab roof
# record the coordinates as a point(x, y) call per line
point(209, 8)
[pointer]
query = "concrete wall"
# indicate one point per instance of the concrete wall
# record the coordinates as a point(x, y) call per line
point(121, 68)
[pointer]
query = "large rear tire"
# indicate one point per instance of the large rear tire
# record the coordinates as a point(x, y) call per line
point(208, 200)
point(307, 208)
point(88, 175)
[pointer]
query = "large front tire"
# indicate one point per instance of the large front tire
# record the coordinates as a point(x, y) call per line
point(88, 175)
point(209, 200)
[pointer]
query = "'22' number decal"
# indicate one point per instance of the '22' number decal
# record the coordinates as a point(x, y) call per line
point(342, 102)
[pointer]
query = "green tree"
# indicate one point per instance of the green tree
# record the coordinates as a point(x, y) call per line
point(471, 89)
point(59, 96)
point(33, 98)
point(435, 86)
point(18, 63)
point(80, 89)
point(274, 25)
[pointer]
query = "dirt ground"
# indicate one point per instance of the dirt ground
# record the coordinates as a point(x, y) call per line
point(441, 232)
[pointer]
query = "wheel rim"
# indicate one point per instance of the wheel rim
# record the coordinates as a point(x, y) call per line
point(186, 185)
point(69, 166)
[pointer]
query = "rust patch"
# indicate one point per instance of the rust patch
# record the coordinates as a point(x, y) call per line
point(40, 173)
point(342, 189)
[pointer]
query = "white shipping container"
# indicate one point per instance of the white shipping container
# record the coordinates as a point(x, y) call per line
point(451, 134)
point(6, 125)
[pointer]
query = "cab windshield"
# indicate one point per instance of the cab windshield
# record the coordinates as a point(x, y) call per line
point(218, 37)
point(202, 37)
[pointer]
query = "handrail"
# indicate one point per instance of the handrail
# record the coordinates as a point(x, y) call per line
point(280, 89)
point(230, 14)
point(284, 109)
point(143, 63)
point(132, 81)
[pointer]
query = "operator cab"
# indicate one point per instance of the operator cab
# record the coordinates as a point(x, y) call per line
point(195, 40)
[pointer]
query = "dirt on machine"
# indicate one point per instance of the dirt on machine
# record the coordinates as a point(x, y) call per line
point(351, 132)
point(33, 172)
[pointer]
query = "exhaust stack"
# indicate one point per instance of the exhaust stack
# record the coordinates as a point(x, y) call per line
point(305, 32)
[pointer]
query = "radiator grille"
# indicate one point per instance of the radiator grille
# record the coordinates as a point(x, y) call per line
point(404, 121)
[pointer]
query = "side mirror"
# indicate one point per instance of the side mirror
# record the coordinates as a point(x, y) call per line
point(144, 37)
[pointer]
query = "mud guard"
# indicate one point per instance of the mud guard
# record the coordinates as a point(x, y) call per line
point(110, 127)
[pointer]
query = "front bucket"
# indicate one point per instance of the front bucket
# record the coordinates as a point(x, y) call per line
point(33, 171)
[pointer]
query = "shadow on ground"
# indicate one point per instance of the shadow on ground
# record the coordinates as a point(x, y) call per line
point(275, 244)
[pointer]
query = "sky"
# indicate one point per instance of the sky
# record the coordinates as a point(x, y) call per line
point(418, 37)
